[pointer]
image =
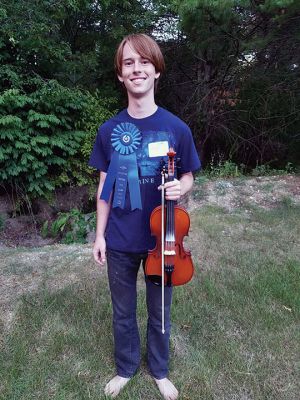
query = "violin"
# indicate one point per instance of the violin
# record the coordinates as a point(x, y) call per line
point(169, 263)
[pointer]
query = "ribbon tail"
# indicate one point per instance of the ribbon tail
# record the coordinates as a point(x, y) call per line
point(110, 177)
point(121, 184)
point(133, 182)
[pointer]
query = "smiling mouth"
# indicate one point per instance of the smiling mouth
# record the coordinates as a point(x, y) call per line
point(137, 79)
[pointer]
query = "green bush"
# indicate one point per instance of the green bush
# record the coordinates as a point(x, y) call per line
point(46, 136)
point(70, 227)
point(38, 135)
point(96, 111)
point(266, 170)
point(223, 168)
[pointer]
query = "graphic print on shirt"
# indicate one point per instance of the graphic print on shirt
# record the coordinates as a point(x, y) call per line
point(157, 142)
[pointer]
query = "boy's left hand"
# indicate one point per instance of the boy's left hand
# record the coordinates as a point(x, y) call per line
point(172, 190)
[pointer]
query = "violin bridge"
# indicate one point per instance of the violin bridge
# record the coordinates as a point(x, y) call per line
point(170, 253)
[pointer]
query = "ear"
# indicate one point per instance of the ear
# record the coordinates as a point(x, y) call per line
point(120, 79)
point(157, 75)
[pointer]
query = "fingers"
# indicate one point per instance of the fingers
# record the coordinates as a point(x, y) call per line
point(99, 255)
point(100, 260)
point(172, 195)
point(103, 259)
point(172, 190)
point(169, 185)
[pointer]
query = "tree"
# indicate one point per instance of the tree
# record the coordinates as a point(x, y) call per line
point(237, 61)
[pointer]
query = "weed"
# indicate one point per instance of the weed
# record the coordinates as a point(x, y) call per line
point(266, 170)
point(2, 222)
point(226, 169)
point(70, 227)
point(220, 168)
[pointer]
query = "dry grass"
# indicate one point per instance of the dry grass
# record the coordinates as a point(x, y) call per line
point(235, 326)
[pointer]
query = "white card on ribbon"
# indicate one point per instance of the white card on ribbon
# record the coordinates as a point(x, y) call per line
point(158, 149)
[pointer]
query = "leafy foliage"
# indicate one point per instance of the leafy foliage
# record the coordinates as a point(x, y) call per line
point(223, 169)
point(43, 138)
point(72, 41)
point(70, 227)
point(96, 111)
point(38, 134)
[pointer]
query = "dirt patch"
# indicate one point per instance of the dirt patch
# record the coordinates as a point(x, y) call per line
point(266, 192)
point(25, 229)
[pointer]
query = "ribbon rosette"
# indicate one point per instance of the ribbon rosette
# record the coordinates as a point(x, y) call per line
point(125, 139)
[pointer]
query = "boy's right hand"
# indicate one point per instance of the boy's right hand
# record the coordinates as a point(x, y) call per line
point(99, 250)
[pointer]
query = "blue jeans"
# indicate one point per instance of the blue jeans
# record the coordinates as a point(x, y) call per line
point(122, 275)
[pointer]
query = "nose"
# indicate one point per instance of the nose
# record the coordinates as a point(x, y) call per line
point(137, 66)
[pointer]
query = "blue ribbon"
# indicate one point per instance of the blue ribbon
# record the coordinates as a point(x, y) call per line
point(123, 170)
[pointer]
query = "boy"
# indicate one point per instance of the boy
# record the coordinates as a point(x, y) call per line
point(128, 151)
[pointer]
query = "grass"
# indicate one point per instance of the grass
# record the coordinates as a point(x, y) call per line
point(235, 332)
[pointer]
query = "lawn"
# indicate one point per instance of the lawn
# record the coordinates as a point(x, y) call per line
point(235, 327)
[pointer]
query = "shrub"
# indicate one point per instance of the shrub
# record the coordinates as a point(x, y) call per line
point(38, 135)
point(46, 136)
point(223, 168)
point(70, 227)
point(96, 110)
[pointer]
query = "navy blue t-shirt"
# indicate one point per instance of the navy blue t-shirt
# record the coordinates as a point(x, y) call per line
point(127, 230)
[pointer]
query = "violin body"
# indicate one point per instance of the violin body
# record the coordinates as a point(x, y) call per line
point(174, 253)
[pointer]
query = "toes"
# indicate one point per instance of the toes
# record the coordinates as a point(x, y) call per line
point(115, 385)
point(108, 390)
point(167, 389)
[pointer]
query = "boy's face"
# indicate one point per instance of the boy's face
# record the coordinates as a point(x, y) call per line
point(138, 73)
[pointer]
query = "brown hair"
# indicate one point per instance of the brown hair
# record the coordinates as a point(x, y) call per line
point(143, 45)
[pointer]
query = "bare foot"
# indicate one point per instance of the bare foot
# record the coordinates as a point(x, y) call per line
point(115, 385)
point(167, 389)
